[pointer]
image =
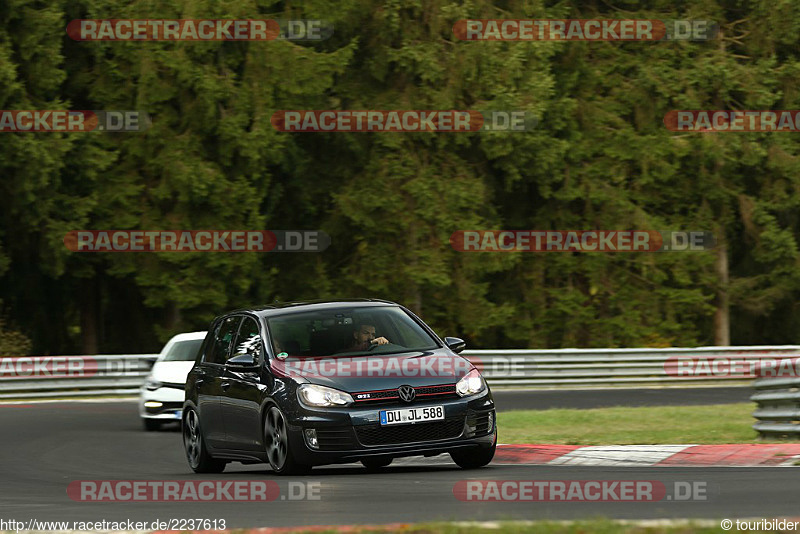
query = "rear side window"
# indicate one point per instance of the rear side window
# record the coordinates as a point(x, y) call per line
point(222, 340)
point(183, 351)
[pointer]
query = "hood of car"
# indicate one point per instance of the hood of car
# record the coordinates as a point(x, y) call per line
point(171, 372)
point(355, 374)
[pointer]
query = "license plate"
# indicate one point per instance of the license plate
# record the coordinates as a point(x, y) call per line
point(411, 415)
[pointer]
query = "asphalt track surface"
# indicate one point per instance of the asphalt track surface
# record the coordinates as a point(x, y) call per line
point(46, 446)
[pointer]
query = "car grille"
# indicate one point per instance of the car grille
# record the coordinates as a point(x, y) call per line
point(335, 439)
point(436, 390)
point(372, 435)
point(378, 395)
point(442, 390)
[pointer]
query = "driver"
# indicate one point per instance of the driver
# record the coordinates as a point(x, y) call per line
point(364, 338)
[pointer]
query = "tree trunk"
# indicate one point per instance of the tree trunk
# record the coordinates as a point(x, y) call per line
point(89, 304)
point(173, 316)
point(722, 331)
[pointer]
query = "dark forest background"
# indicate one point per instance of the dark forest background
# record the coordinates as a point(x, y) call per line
point(600, 158)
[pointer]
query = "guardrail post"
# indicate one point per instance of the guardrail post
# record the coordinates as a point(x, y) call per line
point(778, 411)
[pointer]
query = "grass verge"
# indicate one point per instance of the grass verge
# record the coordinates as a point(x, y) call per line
point(714, 424)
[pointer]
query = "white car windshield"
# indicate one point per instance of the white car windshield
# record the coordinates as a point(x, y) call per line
point(183, 351)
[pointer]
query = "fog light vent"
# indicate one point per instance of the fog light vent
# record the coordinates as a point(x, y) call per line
point(311, 438)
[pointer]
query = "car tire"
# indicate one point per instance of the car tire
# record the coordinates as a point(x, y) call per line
point(373, 464)
point(151, 425)
point(195, 446)
point(276, 442)
point(473, 459)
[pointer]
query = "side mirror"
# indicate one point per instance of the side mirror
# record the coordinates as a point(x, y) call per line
point(455, 344)
point(242, 361)
point(247, 354)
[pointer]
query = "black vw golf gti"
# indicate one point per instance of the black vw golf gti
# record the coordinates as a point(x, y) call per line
point(304, 384)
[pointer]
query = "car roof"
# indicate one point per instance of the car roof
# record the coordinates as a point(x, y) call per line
point(312, 305)
point(188, 336)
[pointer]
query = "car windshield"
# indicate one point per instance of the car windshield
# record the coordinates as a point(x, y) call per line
point(183, 351)
point(348, 332)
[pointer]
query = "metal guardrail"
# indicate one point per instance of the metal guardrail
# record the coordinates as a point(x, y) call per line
point(624, 367)
point(778, 411)
point(43, 377)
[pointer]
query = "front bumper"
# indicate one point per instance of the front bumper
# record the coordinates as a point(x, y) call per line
point(354, 433)
point(170, 399)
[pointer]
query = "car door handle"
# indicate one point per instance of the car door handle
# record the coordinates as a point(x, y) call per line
point(225, 385)
point(199, 381)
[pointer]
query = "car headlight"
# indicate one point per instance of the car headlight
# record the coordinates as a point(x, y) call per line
point(152, 385)
point(470, 384)
point(316, 395)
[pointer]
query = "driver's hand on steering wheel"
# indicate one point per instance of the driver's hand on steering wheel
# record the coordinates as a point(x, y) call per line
point(379, 341)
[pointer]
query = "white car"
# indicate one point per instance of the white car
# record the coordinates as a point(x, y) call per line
point(161, 396)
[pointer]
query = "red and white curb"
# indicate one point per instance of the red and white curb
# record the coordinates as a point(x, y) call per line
point(734, 455)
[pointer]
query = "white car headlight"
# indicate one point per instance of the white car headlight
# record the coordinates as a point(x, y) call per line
point(470, 384)
point(315, 395)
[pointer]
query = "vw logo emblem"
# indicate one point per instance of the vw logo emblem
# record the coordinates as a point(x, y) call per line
point(406, 393)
